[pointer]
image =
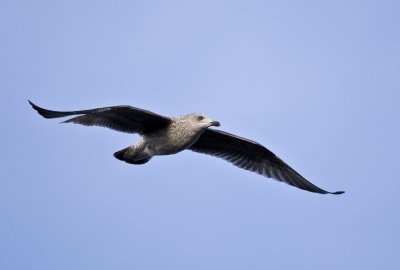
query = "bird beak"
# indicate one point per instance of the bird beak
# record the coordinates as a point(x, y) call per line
point(215, 123)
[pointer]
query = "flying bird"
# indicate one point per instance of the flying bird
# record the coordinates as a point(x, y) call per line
point(163, 135)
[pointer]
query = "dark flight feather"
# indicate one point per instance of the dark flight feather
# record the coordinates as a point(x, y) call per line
point(120, 118)
point(252, 156)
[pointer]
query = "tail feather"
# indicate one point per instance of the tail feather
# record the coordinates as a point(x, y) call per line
point(138, 162)
point(131, 159)
point(121, 154)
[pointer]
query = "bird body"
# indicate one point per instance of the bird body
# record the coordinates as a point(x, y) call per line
point(169, 135)
point(178, 136)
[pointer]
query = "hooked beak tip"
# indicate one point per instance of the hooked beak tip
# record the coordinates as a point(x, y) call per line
point(215, 123)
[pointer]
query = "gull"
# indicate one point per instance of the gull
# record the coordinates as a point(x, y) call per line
point(163, 135)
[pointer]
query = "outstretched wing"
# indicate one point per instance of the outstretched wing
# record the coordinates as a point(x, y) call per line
point(252, 156)
point(121, 118)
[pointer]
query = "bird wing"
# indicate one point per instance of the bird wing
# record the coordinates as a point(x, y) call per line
point(120, 118)
point(252, 156)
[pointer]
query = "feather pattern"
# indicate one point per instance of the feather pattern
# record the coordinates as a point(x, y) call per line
point(252, 156)
point(120, 118)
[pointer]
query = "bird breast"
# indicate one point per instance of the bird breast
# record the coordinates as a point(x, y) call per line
point(173, 139)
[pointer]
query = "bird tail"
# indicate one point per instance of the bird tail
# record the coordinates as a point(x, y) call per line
point(128, 155)
point(121, 154)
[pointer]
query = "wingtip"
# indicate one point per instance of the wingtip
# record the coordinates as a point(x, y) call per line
point(46, 113)
point(39, 110)
point(337, 192)
point(36, 107)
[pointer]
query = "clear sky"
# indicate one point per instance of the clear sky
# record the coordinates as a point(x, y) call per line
point(317, 82)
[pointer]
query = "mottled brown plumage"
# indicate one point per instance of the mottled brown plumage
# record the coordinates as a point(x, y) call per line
point(165, 136)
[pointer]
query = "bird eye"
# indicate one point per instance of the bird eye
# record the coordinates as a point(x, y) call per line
point(200, 117)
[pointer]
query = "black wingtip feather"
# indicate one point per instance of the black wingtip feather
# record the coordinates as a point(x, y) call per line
point(337, 192)
point(48, 113)
point(43, 112)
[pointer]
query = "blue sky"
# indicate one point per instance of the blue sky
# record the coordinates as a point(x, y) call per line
point(317, 82)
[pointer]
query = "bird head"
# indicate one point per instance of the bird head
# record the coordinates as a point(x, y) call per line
point(202, 120)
